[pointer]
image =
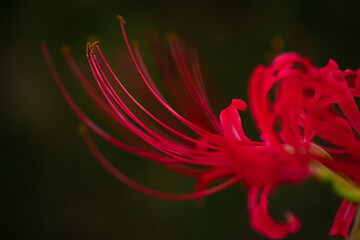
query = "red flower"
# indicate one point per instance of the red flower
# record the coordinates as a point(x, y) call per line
point(289, 123)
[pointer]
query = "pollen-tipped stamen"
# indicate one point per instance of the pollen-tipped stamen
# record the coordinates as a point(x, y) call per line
point(120, 19)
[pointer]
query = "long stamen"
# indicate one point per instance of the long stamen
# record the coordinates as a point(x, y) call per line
point(203, 96)
point(202, 99)
point(86, 120)
point(199, 97)
point(105, 135)
point(140, 106)
point(106, 92)
point(117, 99)
point(86, 84)
point(142, 135)
point(88, 87)
point(116, 173)
point(192, 126)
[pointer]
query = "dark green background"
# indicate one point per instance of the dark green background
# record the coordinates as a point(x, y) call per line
point(53, 188)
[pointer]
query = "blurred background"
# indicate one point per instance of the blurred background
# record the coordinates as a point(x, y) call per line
point(52, 186)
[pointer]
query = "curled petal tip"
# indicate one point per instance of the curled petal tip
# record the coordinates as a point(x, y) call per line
point(262, 222)
point(293, 221)
point(120, 19)
point(65, 50)
point(239, 104)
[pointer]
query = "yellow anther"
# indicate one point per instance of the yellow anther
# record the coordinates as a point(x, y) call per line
point(120, 19)
point(91, 47)
point(65, 49)
point(83, 129)
point(88, 46)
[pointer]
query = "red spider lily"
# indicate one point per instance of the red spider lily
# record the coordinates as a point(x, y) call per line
point(301, 107)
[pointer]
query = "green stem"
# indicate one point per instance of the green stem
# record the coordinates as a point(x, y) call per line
point(340, 185)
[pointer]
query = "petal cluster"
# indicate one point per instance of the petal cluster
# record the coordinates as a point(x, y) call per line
point(310, 107)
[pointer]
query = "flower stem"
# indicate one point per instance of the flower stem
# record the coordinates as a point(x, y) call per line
point(339, 184)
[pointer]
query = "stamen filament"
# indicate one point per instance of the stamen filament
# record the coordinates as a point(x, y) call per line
point(141, 107)
point(142, 135)
point(103, 134)
point(192, 126)
point(116, 173)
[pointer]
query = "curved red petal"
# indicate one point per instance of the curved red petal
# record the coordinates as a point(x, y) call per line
point(231, 121)
point(261, 220)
